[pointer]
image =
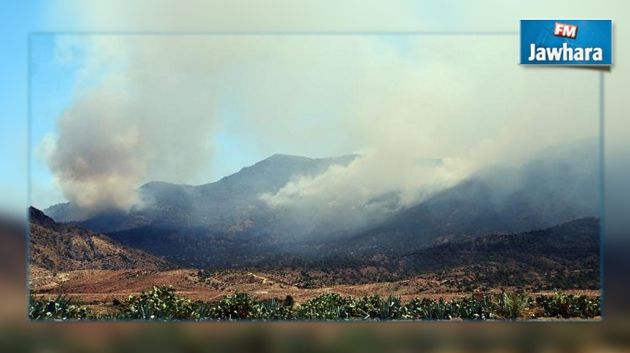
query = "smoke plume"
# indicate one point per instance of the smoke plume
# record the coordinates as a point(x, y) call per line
point(170, 107)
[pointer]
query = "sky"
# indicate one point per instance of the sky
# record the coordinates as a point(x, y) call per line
point(17, 19)
point(56, 79)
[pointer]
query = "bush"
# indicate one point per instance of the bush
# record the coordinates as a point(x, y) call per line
point(329, 306)
point(427, 309)
point(160, 303)
point(513, 305)
point(366, 308)
point(483, 308)
point(392, 309)
point(58, 309)
point(237, 306)
point(568, 306)
point(276, 310)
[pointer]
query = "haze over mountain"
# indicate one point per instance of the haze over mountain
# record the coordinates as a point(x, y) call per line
point(229, 222)
point(558, 185)
point(229, 205)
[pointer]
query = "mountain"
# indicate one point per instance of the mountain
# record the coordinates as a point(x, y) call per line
point(226, 224)
point(59, 247)
point(563, 256)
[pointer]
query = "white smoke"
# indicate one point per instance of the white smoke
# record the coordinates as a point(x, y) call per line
point(369, 178)
point(130, 122)
point(150, 108)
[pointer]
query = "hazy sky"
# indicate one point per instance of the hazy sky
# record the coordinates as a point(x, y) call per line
point(199, 16)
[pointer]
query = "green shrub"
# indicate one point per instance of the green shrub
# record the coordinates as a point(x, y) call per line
point(237, 306)
point(329, 306)
point(393, 309)
point(58, 309)
point(366, 308)
point(473, 309)
point(568, 306)
point(427, 309)
point(160, 303)
point(513, 305)
point(276, 310)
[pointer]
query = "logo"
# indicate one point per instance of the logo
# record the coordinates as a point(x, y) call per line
point(566, 42)
point(565, 30)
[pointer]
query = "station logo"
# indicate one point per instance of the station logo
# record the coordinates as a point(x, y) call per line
point(566, 42)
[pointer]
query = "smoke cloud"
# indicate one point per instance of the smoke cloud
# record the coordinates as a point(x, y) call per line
point(130, 122)
point(162, 107)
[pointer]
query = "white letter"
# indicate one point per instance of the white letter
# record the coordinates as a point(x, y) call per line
point(567, 53)
point(579, 54)
point(532, 50)
point(554, 54)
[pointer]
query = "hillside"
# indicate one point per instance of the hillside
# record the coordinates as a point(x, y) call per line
point(563, 256)
point(59, 247)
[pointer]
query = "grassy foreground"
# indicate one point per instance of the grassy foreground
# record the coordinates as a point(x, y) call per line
point(161, 303)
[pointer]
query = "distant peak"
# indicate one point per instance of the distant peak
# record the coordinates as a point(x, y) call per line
point(35, 212)
point(162, 185)
point(37, 216)
point(285, 156)
point(282, 156)
point(156, 183)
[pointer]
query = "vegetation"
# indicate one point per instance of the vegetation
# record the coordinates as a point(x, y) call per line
point(568, 306)
point(58, 309)
point(161, 303)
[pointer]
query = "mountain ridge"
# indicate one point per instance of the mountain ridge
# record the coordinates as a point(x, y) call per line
point(268, 175)
point(225, 223)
